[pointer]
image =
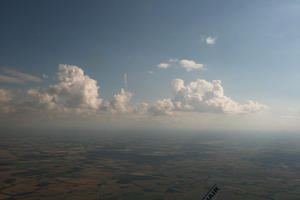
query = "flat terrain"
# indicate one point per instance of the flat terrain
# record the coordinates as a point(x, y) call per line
point(148, 166)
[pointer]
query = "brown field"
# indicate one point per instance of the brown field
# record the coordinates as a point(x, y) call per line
point(148, 166)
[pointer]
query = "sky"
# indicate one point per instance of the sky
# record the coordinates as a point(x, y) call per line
point(200, 65)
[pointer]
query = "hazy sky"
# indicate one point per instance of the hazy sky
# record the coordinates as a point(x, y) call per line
point(209, 65)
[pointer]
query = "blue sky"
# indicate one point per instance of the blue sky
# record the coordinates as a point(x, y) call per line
point(255, 55)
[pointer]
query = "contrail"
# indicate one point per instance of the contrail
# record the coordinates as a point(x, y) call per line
point(125, 81)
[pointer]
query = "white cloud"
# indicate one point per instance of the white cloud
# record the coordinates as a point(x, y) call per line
point(211, 40)
point(121, 100)
point(42, 101)
point(163, 65)
point(161, 107)
point(75, 90)
point(140, 108)
point(205, 96)
point(150, 72)
point(190, 65)
point(13, 76)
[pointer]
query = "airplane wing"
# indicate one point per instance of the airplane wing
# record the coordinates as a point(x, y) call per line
point(212, 193)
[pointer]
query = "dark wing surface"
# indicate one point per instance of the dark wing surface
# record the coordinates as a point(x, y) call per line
point(212, 193)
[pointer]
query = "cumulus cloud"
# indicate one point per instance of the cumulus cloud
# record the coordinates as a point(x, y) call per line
point(205, 96)
point(163, 65)
point(211, 40)
point(202, 96)
point(190, 65)
point(42, 101)
point(140, 108)
point(13, 76)
point(74, 90)
point(121, 100)
point(161, 107)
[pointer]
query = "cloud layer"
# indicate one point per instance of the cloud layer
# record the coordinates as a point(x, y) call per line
point(13, 76)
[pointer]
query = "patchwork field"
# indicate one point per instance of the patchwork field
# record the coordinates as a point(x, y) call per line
point(148, 166)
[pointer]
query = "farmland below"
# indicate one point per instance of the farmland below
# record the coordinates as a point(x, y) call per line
point(148, 165)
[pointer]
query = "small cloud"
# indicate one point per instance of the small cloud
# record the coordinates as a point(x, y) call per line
point(45, 76)
point(150, 72)
point(13, 76)
point(190, 65)
point(211, 40)
point(9, 79)
point(163, 65)
point(173, 60)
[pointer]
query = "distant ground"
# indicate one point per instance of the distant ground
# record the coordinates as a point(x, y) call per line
point(148, 165)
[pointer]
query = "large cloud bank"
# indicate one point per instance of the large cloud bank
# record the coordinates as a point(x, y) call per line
point(74, 92)
point(76, 95)
point(202, 96)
